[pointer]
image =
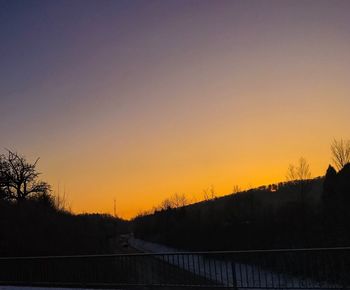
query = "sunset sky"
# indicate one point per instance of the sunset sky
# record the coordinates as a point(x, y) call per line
point(137, 100)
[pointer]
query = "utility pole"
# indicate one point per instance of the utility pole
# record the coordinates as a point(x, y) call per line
point(114, 208)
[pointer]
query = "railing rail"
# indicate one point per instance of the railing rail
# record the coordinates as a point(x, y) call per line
point(317, 268)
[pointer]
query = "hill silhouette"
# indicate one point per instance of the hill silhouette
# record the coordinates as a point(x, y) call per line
point(33, 229)
point(274, 216)
point(33, 222)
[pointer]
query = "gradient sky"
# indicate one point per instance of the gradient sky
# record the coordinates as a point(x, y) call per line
point(137, 100)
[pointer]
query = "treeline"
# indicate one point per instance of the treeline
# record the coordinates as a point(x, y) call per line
point(299, 213)
point(34, 222)
point(253, 219)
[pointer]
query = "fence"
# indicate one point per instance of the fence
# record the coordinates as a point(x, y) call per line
point(272, 269)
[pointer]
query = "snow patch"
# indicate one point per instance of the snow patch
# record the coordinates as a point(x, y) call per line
point(228, 272)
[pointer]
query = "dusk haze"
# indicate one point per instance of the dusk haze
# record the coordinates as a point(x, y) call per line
point(129, 102)
point(174, 144)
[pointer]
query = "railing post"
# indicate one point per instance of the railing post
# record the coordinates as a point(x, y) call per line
point(233, 272)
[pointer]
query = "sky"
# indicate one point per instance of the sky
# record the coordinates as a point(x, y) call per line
point(134, 101)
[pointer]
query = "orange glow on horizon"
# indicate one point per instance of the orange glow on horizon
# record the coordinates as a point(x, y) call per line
point(136, 101)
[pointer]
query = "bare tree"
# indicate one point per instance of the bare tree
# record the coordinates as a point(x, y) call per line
point(166, 204)
point(209, 194)
point(174, 201)
point(19, 178)
point(340, 152)
point(61, 202)
point(236, 189)
point(179, 200)
point(299, 172)
point(299, 175)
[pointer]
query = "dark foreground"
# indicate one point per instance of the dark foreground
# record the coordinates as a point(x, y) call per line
point(272, 269)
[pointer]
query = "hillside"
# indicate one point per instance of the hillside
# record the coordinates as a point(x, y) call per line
point(285, 215)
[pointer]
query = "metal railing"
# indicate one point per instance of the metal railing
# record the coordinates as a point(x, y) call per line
point(327, 268)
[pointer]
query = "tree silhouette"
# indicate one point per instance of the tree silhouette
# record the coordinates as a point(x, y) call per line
point(329, 182)
point(19, 178)
point(300, 175)
point(340, 152)
point(299, 172)
point(209, 193)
